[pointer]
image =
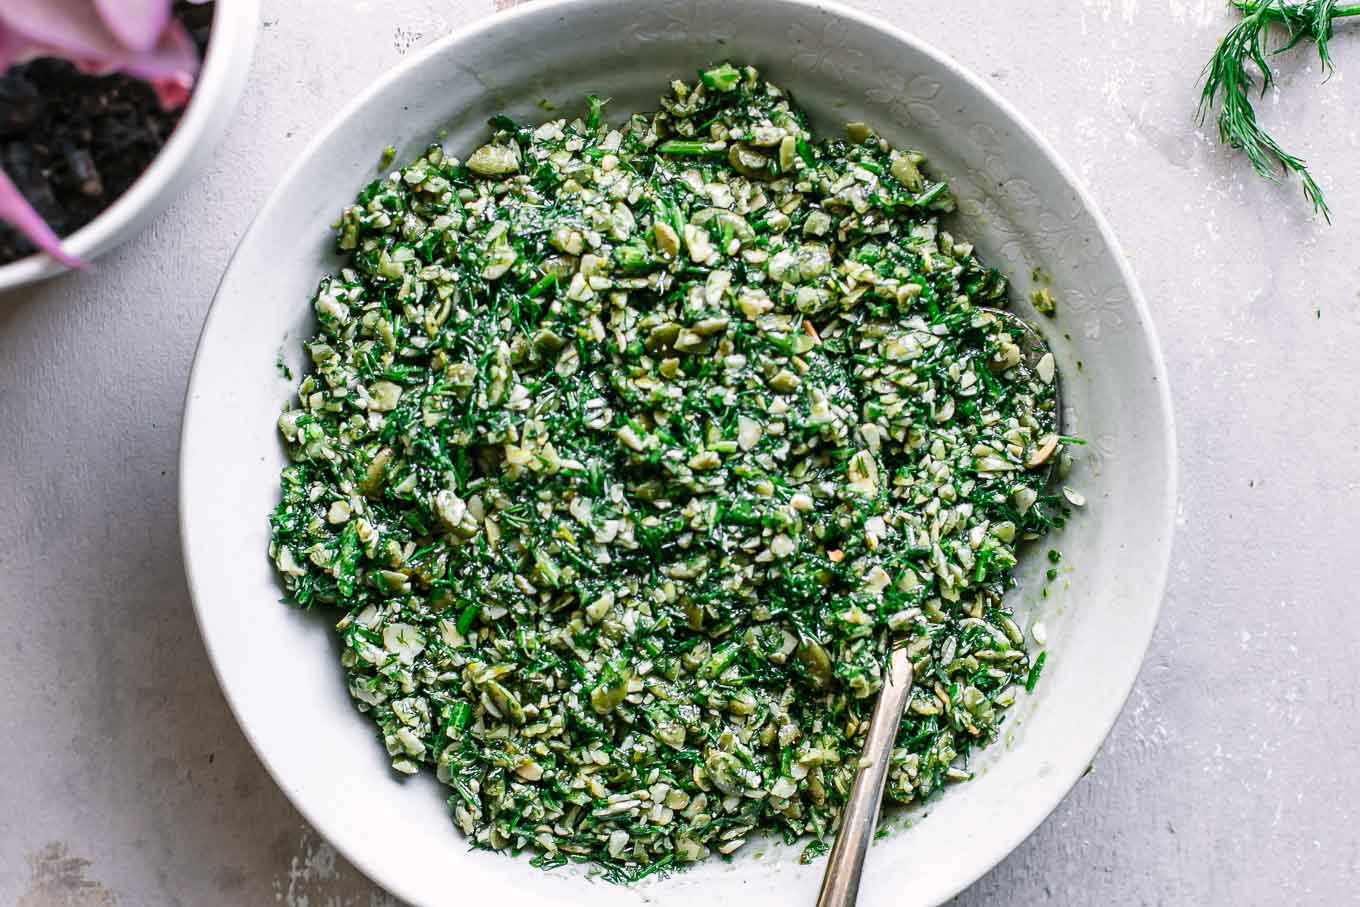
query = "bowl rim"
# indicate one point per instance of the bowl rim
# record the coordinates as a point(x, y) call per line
point(1104, 721)
point(231, 44)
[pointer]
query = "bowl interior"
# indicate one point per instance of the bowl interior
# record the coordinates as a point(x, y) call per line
point(278, 666)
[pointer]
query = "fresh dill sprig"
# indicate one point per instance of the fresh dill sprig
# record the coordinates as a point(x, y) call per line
point(1228, 82)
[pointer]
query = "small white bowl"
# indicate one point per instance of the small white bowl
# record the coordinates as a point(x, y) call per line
point(1021, 205)
point(225, 66)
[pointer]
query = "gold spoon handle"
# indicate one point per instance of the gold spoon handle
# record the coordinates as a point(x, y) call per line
point(840, 885)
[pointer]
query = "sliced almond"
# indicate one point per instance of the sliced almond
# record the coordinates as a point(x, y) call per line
point(1047, 445)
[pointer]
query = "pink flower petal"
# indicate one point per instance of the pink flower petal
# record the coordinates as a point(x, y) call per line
point(172, 92)
point(15, 209)
point(12, 45)
point(170, 67)
point(72, 26)
point(73, 30)
point(137, 23)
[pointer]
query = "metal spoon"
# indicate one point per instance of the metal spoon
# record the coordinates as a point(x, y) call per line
point(859, 819)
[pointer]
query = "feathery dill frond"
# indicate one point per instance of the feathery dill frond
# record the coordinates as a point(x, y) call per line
point(1229, 81)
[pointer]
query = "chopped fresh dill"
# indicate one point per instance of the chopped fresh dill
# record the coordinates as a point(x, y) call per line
point(1229, 81)
point(626, 453)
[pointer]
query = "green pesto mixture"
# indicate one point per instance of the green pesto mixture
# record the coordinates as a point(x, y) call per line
point(628, 451)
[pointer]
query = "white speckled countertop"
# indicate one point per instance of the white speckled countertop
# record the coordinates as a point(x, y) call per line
point(126, 781)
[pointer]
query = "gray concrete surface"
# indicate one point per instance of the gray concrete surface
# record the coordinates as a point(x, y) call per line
point(1230, 778)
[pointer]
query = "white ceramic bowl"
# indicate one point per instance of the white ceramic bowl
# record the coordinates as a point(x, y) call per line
point(1021, 204)
point(225, 66)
